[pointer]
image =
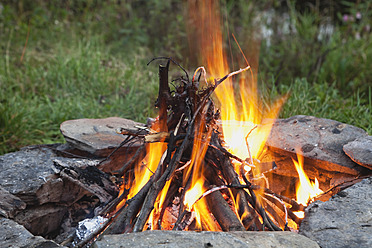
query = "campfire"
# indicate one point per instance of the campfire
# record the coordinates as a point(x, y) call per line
point(199, 167)
point(216, 158)
point(203, 163)
point(191, 178)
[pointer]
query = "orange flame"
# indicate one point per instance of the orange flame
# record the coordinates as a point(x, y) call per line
point(147, 167)
point(306, 190)
point(196, 170)
point(243, 114)
point(245, 123)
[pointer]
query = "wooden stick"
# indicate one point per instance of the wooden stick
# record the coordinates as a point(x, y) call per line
point(163, 97)
point(122, 223)
point(140, 151)
point(159, 184)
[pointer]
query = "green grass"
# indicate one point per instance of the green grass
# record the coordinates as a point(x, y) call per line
point(87, 59)
point(69, 79)
point(323, 100)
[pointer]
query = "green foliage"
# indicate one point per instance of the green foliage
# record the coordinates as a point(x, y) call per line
point(87, 59)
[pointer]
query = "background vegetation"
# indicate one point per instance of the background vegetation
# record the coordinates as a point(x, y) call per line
point(71, 59)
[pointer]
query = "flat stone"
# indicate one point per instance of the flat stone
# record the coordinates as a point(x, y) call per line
point(320, 141)
point(360, 151)
point(14, 235)
point(343, 221)
point(96, 136)
point(188, 239)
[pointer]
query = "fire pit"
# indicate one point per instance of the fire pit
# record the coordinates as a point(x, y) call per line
point(51, 196)
point(209, 162)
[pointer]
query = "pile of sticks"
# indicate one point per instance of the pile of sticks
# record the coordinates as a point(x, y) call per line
point(188, 115)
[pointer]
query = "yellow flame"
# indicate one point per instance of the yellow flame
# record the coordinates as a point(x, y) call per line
point(158, 206)
point(306, 190)
point(242, 113)
point(195, 170)
point(144, 170)
point(147, 167)
point(193, 194)
point(245, 123)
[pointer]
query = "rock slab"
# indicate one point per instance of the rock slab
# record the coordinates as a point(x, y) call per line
point(343, 221)
point(185, 239)
point(320, 141)
point(360, 151)
point(96, 136)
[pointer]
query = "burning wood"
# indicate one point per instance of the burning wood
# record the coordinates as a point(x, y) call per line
point(187, 162)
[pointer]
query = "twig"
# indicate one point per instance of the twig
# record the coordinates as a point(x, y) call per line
point(184, 166)
point(24, 48)
point(159, 184)
point(203, 71)
point(246, 142)
point(293, 203)
point(218, 82)
point(340, 185)
point(128, 164)
point(125, 141)
point(227, 153)
point(174, 62)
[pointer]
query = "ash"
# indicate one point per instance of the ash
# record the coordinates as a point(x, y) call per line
point(88, 226)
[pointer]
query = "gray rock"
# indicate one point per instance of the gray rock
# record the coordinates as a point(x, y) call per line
point(31, 191)
point(360, 151)
point(24, 172)
point(96, 136)
point(10, 204)
point(29, 175)
point(42, 220)
point(343, 221)
point(320, 141)
point(14, 235)
point(187, 239)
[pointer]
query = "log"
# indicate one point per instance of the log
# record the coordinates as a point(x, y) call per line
point(246, 213)
point(223, 213)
